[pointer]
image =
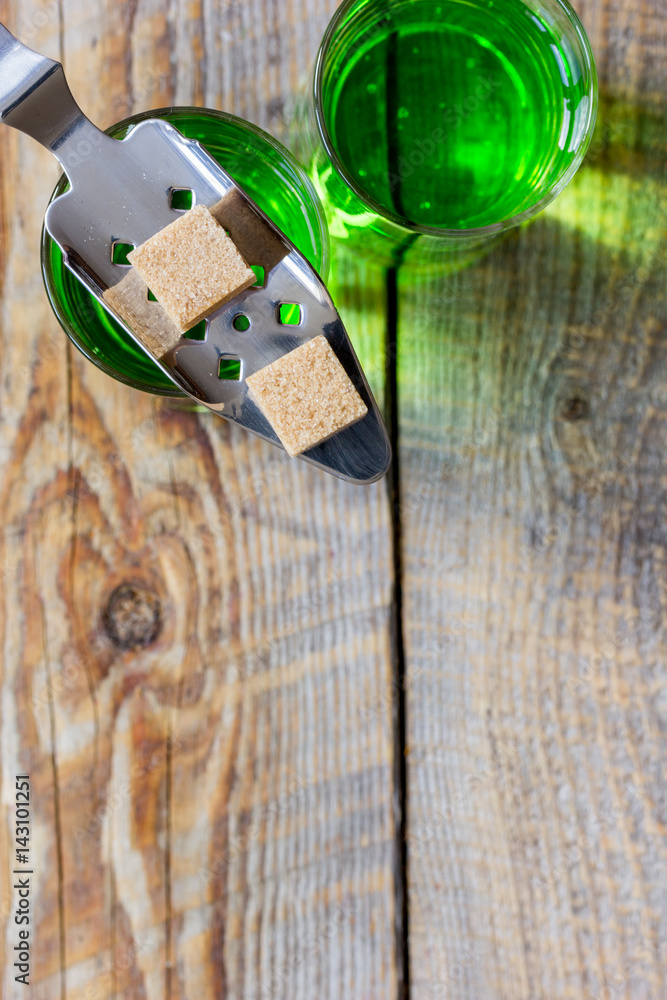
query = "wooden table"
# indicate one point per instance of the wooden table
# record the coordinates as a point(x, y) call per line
point(356, 743)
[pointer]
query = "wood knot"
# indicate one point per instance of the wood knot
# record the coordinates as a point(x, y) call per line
point(133, 616)
point(575, 408)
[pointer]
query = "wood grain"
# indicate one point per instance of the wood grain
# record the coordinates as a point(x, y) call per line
point(196, 642)
point(193, 627)
point(532, 408)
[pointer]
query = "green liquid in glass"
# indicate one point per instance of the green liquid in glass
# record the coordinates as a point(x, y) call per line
point(268, 174)
point(453, 114)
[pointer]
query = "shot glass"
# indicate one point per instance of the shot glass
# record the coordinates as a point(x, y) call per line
point(260, 165)
point(434, 126)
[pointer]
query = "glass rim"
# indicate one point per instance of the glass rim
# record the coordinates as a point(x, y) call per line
point(46, 242)
point(437, 232)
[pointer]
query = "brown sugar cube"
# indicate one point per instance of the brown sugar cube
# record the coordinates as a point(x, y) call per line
point(192, 267)
point(148, 320)
point(254, 238)
point(307, 396)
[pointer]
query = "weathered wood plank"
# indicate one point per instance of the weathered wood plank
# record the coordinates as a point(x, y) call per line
point(532, 411)
point(210, 817)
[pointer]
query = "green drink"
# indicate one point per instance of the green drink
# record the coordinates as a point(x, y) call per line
point(450, 117)
point(268, 174)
